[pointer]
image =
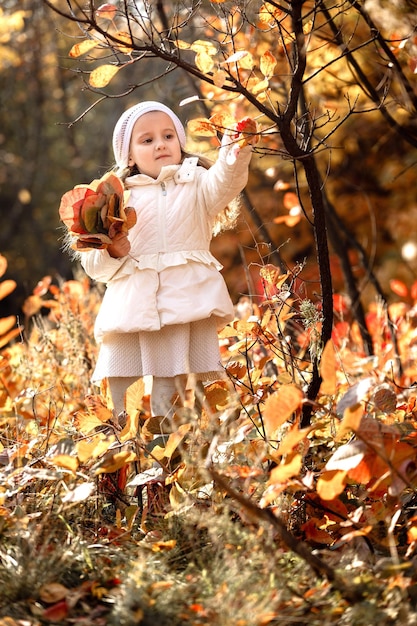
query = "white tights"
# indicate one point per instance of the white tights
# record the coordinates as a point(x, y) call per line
point(163, 390)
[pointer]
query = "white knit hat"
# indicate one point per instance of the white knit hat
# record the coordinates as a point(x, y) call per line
point(124, 127)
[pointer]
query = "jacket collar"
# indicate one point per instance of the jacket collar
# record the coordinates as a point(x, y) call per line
point(183, 173)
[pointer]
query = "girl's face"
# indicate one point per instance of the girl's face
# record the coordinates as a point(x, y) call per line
point(154, 143)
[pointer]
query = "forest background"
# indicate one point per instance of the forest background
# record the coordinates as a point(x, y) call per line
point(316, 462)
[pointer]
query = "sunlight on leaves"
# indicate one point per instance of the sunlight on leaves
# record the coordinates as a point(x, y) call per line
point(280, 407)
point(331, 484)
point(101, 76)
point(83, 47)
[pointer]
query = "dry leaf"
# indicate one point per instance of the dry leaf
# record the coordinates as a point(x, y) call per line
point(280, 407)
point(101, 76)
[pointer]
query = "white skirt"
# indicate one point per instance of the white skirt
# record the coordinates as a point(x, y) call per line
point(191, 348)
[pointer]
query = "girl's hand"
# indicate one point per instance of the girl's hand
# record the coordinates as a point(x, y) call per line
point(246, 132)
point(120, 246)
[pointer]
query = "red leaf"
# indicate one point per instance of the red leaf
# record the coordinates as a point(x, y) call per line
point(57, 612)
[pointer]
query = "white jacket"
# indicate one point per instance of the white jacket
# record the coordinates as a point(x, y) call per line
point(170, 275)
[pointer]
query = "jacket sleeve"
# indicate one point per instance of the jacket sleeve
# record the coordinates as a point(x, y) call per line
point(100, 266)
point(220, 184)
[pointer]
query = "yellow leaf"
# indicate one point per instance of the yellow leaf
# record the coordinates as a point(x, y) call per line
point(87, 450)
point(331, 484)
point(115, 461)
point(201, 45)
point(204, 62)
point(352, 418)
point(269, 13)
point(101, 76)
point(86, 422)
point(280, 406)
point(219, 78)
point(257, 86)
point(267, 64)
point(134, 396)
point(292, 438)
point(288, 468)
point(65, 461)
point(131, 429)
point(182, 45)
point(175, 440)
point(272, 275)
point(202, 127)
point(247, 62)
point(83, 47)
point(124, 42)
point(223, 121)
point(328, 369)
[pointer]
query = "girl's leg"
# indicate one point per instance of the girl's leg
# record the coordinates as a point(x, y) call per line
point(163, 392)
point(118, 387)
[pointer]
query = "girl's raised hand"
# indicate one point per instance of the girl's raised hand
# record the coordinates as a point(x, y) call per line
point(246, 132)
point(120, 246)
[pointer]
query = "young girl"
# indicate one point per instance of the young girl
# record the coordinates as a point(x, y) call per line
point(165, 298)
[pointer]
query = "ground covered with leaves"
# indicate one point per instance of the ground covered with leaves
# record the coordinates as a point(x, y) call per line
point(239, 511)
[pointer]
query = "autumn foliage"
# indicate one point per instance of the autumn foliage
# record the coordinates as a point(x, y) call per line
point(344, 483)
point(94, 213)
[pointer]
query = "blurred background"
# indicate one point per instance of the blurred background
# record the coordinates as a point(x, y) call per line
point(53, 136)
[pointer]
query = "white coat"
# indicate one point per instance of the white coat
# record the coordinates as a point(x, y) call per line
point(170, 275)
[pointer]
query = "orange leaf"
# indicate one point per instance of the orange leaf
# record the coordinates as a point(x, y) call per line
point(95, 404)
point(267, 64)
point(399, 288)
point(280, 406)
point(331, 484)
point(7, 323)
point(313, 533)
point(352, 418)
point(288, 468)
point(328, 369)
point(6, 288)
point(288, 220)
point(4, 340)
point(290, 200)
point(3, 265)
point(292, 438)
point(107, 11)
point(236, 369)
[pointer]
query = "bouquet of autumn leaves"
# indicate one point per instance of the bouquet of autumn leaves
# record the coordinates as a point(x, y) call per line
point(94, 213)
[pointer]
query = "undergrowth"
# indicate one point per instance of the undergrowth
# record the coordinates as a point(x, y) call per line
point(237, 516)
